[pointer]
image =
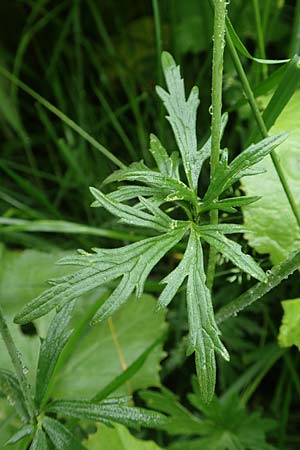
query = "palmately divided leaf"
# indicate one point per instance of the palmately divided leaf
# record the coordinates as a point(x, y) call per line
point(51, 348)
point(99, 412)
point(241, 166)
point(203, 332)
point(233, 251)
point(133, 263)
point(60, 436)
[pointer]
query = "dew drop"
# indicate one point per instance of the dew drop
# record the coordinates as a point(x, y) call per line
point(210, 110)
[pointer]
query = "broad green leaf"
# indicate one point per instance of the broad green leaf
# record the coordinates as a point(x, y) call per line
point(9, 386)
point(107, 349)
point(128, 373)
point(106, 412)
point(273, 228)
point(241, 166)
point(133, 263)
point(40, 441)
point(117, 438)
point(50, 350)
point(26, 430)
point(289, 333)
point(233, 251)
point(182, 117)
point(60, 436)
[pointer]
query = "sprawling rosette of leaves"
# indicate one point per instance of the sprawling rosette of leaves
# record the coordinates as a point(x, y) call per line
point(150, 192)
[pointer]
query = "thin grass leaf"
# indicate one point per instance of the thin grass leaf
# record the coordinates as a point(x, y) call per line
point(26, 430)
point(242, 49)
point(9, 386)
point(126, 415)
point(233, 251)
point(50, 350)
point(60, 436)
point(40, 441)
point(226, 175)
point(225, 228)
point(132, 216)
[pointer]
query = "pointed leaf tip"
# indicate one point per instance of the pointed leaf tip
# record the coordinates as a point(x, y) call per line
point(167, 60)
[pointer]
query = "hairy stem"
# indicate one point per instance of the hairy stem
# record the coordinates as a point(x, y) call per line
point(216, 95)
point(19, 367)
point(277, 274)
point(261, 125)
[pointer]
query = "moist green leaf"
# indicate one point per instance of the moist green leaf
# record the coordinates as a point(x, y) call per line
point(182, 117)
point(289, 333)
point(110, 411)
point(26, 430)
point(233, 251)
point(40, 441)
point(203, 331)
point(51, 347)
point(60, 436)
point(167, 165)
point(131, 215)
point(117, 438)
point(133, 263)
point(229, 204)
point(164, 184)
point(273, 227)
point(241, 166)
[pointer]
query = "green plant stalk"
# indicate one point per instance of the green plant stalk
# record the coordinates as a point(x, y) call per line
point(295, 41)
point(216, 95)
point(261, 125)
point(158, 39)
point(75, 127)
point(15, 357)
point(276, 275)
point(260, 36)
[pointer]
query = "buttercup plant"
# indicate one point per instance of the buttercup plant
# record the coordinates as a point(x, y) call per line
point(155, 196)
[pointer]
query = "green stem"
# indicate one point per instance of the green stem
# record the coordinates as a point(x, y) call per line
point(158, 39)
point(217, 79)
point(277, 274)
point(19, 367)
point(295, 41)
point(261, 125)
point(260, 37)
